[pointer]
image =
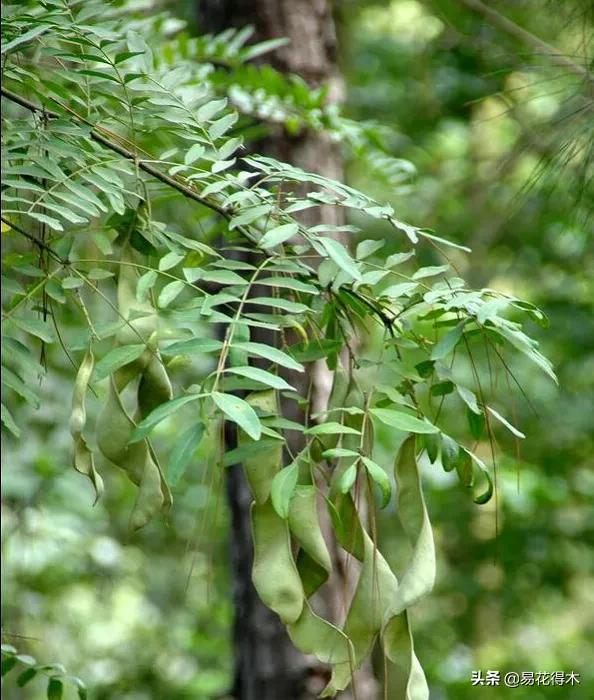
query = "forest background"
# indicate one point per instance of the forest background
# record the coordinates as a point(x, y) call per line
point(489, 124)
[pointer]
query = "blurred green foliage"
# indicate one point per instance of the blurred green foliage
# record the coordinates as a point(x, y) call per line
point(488, 123)
point(490, 127)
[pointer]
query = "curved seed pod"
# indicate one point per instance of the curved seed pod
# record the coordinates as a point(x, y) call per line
point(312, 575)
point(376, 587)
point(83, 457)
point(261, 468)
point(154, 388)
point(114, 425)
point(304, 524)
point(166, 492)
point(114, 428)
point(150, 497)
point(274, 573)
point(137, 330)
point(351, 536)
point(419, 578)
point(398, 646)
point(314, 635)
point(355, 399)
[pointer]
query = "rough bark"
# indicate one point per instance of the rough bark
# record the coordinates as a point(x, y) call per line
point(267, 664)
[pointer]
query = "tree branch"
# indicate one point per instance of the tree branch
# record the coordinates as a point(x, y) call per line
point(523, 35)
point(40, 244)
point(125, 153)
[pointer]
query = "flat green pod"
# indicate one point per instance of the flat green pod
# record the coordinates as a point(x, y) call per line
point(165, 490)
point(376, 587)
point(351, 536)
point(84, 462)
point(149, 500)
point(274, 574)
point(304, 525)
point(313, 576)
point(261, 469)
point(312, 634)
point(155, 386)
point(419, 577)
point(114, 429)
point(397, 643)
point(137, 330)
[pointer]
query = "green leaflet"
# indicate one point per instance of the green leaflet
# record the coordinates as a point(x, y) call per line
point(381, 479)
point(282, 489)
point(507, 424)
point(183, 451)
point(403, 421)
point(448, 342)
point(240, 412)
point(269, 353)
point(341, 257)
point(84, 462)
point(262, 377)
point(159, 414)
point(116, 358)
point(249, 449)
point(278, 235)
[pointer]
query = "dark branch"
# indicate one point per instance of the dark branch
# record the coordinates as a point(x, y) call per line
point(125, 153)
point(35, 240)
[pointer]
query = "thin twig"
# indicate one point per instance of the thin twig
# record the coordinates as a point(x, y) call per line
point(523, 35)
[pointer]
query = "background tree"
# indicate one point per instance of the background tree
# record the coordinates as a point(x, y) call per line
point(267, 663)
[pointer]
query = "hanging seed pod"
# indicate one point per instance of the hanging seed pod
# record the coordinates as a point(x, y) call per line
point(84, 462)
point(261, 469)
point(274, 573)
point(114, 425)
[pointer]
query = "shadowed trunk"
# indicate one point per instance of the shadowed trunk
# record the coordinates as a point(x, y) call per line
point(268, 667)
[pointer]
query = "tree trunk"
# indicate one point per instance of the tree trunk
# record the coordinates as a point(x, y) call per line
point(268, 667)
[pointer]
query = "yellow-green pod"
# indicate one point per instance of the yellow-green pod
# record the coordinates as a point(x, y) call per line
point(84, 462)
point(114, 428)
point(154, 388)
point(274, 573)
point(138, 330)
point(150, 497)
